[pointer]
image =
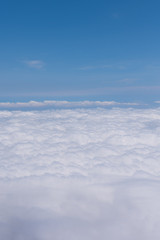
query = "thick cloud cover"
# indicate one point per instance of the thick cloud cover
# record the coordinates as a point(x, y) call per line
point(80, 174)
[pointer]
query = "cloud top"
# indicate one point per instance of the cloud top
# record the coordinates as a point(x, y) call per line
point(83, 173)
point(63, 104)
point(119, 141)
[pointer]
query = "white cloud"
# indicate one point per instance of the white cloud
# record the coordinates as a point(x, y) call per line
point(63, 104)
point(80, 174)
point(37, 64)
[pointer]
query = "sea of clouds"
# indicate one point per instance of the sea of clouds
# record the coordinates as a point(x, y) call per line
point(80, 173)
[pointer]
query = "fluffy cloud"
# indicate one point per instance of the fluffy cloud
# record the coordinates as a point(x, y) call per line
point(80, 174)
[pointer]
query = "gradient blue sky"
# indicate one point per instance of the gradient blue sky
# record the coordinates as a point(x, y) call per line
point(76, 50)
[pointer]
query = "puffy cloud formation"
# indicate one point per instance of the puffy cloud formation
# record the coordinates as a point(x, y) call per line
point(80, 174)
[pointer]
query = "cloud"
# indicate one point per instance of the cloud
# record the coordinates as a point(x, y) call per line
point(37, 64)
point(63, 104)
point(96, 67)
point(83, 173)
point(107, 66)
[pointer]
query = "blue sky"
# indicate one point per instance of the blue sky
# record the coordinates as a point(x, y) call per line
point(80, 50)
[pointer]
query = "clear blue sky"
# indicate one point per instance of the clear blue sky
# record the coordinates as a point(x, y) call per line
point(88, 49)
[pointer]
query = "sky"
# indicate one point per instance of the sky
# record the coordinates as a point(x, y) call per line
point(80, 50)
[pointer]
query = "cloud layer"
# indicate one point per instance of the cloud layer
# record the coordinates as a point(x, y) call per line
point(80, 174)
point(62, 104)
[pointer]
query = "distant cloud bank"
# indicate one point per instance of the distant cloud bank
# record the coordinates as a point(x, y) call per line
point(64, 104)
point(80, 173)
